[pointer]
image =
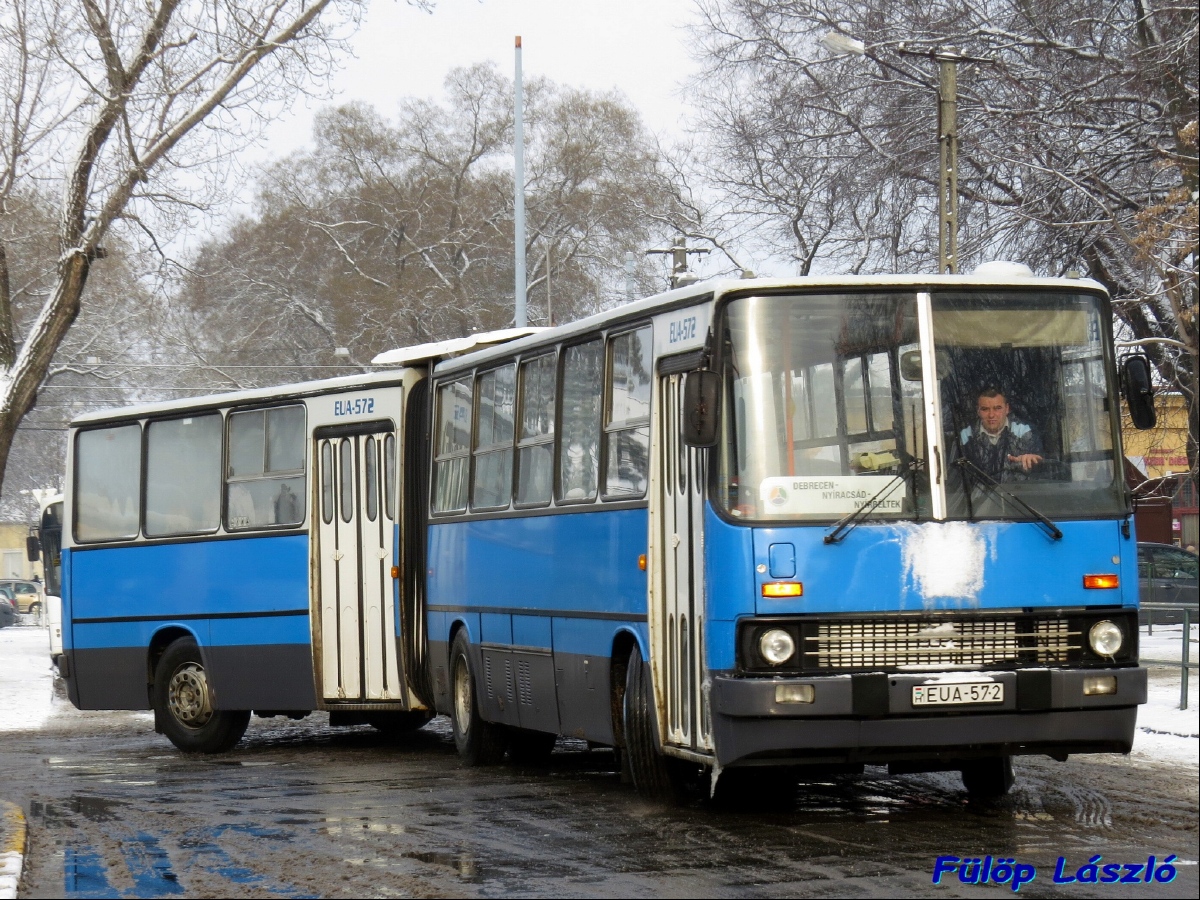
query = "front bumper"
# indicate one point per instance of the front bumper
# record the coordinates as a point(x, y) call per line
point(870, 717)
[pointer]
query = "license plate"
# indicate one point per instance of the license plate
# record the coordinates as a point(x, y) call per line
point(947, 694)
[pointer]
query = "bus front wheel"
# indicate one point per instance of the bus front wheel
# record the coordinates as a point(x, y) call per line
point(479, 742)
point(988, 778)
point(655, 776)
point(183, 703)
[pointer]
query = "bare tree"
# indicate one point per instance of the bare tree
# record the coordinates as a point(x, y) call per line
point(1077, 132)
point(386, 233)
point(116, 107)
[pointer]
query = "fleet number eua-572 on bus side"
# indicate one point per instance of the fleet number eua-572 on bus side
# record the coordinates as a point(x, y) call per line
point(358, 406)
point(675, 332)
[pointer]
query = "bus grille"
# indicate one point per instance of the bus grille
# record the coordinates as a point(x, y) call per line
point(922, 643)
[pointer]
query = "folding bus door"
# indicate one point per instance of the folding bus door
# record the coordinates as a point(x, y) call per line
point(358, 651)
point(681, 596)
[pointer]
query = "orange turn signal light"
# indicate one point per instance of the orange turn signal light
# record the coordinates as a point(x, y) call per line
point(395, 571)
point(642, 561)
point(1101, 581)
point(777, 589)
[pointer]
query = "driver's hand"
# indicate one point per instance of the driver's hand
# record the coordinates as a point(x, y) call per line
point(1026, 460)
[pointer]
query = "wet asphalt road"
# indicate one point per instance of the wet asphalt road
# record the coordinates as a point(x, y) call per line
point(302, 810)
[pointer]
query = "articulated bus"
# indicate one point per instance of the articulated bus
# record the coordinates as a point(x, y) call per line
point(740, 526)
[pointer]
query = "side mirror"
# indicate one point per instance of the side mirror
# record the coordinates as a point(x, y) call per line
point(1139, 391)
point(701, 396)
point(33, 548)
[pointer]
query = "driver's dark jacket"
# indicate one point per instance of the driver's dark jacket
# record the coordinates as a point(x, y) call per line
point(1016, 439)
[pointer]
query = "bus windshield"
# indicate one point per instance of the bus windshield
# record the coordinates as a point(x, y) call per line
point(1026, 404)
point(818, 419)
point(824, 410)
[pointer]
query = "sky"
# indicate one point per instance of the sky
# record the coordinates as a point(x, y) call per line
point(637, 47)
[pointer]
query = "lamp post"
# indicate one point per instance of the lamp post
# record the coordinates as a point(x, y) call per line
point(947, 59)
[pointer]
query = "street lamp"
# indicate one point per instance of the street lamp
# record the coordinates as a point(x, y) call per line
point(947, 59)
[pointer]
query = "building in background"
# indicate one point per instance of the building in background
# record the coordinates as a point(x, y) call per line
point(14, 559)
point(1161, 474)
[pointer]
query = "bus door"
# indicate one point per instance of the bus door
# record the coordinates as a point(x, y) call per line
point(679, 650)
point(357, 650)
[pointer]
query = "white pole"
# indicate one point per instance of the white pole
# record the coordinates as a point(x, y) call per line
point(519, 319)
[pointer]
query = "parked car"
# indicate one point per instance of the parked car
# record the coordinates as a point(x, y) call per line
point(8, 607)
point(1166, 575)
point(28, 594)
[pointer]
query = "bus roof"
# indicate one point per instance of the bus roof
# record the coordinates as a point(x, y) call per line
point(236, 398)
point(705, 290)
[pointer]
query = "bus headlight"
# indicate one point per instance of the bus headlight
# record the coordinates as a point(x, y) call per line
point(776, 646)
point(1106, 638)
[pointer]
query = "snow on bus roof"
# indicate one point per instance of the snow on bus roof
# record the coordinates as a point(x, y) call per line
point(234, 398)
point(421, 353)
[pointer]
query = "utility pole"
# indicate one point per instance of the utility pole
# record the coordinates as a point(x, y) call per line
point(520, 319)
point(679, 251)
point(947, 59)
point(948, 152)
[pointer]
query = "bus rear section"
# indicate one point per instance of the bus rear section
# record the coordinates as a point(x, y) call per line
point(238, 554)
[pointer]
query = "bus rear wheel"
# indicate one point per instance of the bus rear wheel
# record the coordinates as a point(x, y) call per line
point(479, 742)
point(183, 703)
point(655, 776)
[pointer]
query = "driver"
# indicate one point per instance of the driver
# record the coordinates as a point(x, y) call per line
point(999, 442)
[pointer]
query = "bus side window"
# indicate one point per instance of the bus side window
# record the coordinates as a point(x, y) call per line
point(108, 495)
point(452, 444)
point(496, 391)
point(627, 425)
point(579, 442)
point(183, 475)
point(265, 474)
point(535, 453)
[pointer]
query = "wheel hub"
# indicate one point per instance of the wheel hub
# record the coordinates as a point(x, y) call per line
point(462, 698)
point(188, 696)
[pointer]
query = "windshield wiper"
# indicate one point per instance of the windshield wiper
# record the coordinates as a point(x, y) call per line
point(849, 522)
point(990, 484)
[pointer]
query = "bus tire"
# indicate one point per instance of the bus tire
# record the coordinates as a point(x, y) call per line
point(988, 778)
point(479, 742)
point(655, 776)
point(183, 703)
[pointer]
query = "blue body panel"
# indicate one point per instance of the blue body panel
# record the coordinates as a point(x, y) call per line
point(507, 578)
point(245, 602)
point(911, 566)
point(191, 584)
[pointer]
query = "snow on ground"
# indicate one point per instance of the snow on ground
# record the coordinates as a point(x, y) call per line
point(1166, 734)
point(26, 679)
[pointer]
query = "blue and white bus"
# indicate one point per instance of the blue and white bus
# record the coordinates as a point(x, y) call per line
point(743, 525)
point(820, 522)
